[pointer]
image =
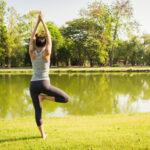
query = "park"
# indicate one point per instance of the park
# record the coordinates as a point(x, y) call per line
point(97, 65)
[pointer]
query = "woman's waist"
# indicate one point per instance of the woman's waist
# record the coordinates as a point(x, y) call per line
point(40, 72)
point(40, 75)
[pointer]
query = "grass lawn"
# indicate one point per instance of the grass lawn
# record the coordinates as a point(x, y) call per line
point(77, 69)
point(100, 132)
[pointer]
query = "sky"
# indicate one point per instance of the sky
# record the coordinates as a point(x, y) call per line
point(61, 11)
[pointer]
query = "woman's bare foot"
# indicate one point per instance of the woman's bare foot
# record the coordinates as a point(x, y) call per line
point(42, 97)
point(40, 100)
point(44, 136)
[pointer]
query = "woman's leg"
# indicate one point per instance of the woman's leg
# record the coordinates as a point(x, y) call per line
point(43, 135)
point(53, 93)
point(38, 110)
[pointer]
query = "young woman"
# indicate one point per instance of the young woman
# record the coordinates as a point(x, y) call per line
point(40, 83)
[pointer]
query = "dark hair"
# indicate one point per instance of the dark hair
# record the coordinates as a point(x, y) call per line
point(40, 40)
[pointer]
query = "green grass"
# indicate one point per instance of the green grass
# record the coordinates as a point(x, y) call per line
point(101, 132)
point(80, 70)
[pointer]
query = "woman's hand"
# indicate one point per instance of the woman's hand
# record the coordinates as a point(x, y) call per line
point(40, 16)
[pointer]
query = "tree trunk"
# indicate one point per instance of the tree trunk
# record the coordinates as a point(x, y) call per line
point(133, 63)
point(79, 61)
point(125, 62)
point(91, 62)
point(111, 54)
point(69, 62)
point(133, 59)
point(9, 63)
point(111, 57)
point(53, 60)
point(3, 64)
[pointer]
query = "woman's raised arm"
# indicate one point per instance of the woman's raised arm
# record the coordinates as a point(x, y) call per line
point(31, 44)
point(48, 39)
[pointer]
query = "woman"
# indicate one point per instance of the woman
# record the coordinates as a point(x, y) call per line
point(40, 82)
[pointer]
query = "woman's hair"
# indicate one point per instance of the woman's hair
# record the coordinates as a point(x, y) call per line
point(40, 40)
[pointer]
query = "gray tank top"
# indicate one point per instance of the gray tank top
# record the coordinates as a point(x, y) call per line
point(40, 67)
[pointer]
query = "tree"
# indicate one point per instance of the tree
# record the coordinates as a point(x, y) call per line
point(111, 18)
point(89, 41)
point(14, 36)
point(122, 13)
point(121, 53)
point(65, 51)
point(146, 44)
point(136, 51)
point(3, 33)
point(76, 31)
point(131, 51)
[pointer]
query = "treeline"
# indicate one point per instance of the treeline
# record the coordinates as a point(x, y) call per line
point(94, 39)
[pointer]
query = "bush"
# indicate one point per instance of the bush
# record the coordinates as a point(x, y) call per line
point(116, 65)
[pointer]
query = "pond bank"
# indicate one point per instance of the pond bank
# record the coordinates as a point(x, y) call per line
point(100, 132)
point(74, 70)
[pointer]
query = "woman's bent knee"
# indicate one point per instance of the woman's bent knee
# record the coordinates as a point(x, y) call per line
point(64, 99)
point(67, 99)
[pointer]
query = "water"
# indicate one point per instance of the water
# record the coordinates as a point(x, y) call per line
point(91, 94)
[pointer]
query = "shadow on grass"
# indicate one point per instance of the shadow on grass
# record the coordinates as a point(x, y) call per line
point(19, 139)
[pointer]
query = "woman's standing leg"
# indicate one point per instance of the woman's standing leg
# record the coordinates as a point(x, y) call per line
point(38, 110)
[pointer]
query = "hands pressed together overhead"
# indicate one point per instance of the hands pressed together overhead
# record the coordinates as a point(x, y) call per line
point(40, 17)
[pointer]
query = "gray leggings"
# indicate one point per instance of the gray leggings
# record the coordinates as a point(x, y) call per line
point(43, 86)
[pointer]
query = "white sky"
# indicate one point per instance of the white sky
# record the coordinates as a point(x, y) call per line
point(60, 11)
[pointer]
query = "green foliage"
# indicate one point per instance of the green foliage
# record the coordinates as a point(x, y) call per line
point(131, 51)
point(64, 53)
point(29, 21)
point(76, 33)
point(113, 19)
point(88, 42)
point(94, 38)
point(16, 49)
point(3, 34)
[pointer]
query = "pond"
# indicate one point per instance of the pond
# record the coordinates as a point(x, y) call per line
point(90, 93)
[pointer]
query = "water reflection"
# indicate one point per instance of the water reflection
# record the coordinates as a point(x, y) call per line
point(101, 93)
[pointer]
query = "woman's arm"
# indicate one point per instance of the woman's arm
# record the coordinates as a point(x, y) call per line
point(31, 44)
point(48, 39)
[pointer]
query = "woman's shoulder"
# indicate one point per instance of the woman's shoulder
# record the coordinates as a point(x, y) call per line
point(32, 55)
